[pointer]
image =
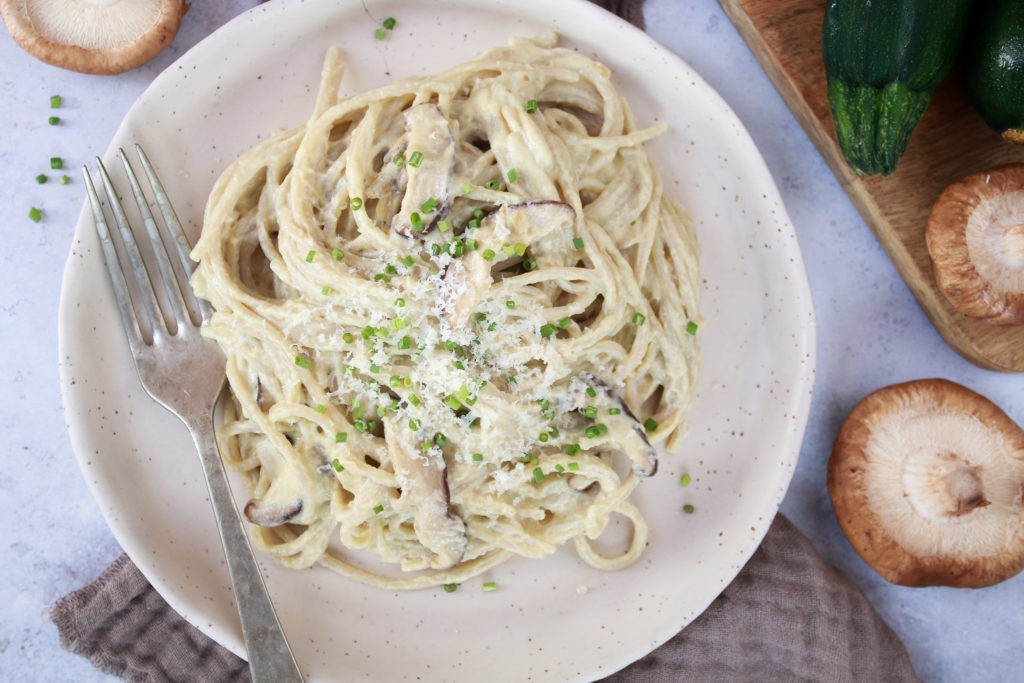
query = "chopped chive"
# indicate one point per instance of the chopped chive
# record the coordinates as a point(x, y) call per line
point(490, 587)
point(531, 106)
point(310, 256)
point(688, 509)
point(638, 319)
point(389, 23)
point(381, 277)
point(513, 175)
point(478, 457)
point(377, 509)
point(55, 101)
point(471, 245)
point(382, 411)
point(336, 464)
point(572, 449)
point(415, 159)
point(429, 205)
point(53, 120)
point(327, 291)
point(467, 188)
point(440, 439)
point(492, 184)
point(417, 222)
point(400, 302)
point(538, 474)
point(577, 242)
point(488, 254)
point(302, 361)
point(548, 330)
point(426, 446)
point(574, 466)
point(530, 264)
point(374, 368)
point(691, 327)
point(590, 412)
point(56, 163)
point(396, 381)
point(591, 392)
point(321, 408)
point(341, 437)
point(356, 203)
point(452, 402)
point(337, 254)
point(435, 249)
point(64, 180)
point(397, 324)
point(602, 429)
point(41, 178)
point(543, 437)
point(444, 226)
point(414, 399)
point(459, 365)
point(509, 249)
point(414, 424)
point(398, 159)
point(592, 432)
point(544, 403)
point(650, 424)
point(379, 34)
point(519, 248)
point(407, 261)
point(368, 331)
point(564, 323)
point(405, 342)
point(559, 468)
point(685, 480)
point(473, 223)
point(553, 432)
point(34, 214)
point(450, 587)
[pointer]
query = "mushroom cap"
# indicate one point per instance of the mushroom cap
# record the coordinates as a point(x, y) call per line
point(975, 237)
point(93, 36)
point(927, 482)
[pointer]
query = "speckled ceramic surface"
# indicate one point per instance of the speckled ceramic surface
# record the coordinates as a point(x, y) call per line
point(554, 619)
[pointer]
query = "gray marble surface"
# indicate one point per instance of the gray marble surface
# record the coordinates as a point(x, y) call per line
point(870, 333)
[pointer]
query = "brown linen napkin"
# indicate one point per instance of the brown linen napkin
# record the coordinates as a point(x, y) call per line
point(788, 616)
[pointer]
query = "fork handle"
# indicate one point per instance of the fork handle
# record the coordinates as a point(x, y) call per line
point(270, 658)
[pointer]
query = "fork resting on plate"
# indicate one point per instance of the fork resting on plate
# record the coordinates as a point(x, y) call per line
point(185, 373)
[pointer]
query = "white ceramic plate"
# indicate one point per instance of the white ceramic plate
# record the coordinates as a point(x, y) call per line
point(554, 619)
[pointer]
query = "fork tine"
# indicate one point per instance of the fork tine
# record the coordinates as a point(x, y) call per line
point(138, 266)
point(174, 296)
point(184, 248)
point(124, 305)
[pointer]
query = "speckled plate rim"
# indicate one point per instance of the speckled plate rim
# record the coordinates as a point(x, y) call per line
point(552, 619)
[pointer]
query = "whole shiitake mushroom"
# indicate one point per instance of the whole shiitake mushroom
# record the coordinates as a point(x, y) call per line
point(927, 482)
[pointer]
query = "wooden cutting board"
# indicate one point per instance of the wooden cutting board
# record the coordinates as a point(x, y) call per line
point(950, 142)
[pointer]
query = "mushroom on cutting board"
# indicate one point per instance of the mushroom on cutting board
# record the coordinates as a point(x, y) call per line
point(927, 482)
point(93, 36)
point(975, 237)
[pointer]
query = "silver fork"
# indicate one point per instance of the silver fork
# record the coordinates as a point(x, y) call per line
point(185, 373)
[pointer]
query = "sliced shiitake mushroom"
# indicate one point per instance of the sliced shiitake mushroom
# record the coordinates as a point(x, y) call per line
point(975, 237)
point(93, 36)
point(927, 482)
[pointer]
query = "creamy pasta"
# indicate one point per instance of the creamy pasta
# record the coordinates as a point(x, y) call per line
point(458, 313)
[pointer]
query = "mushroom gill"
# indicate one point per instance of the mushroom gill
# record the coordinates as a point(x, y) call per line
point(93, 36)
point(975, 237)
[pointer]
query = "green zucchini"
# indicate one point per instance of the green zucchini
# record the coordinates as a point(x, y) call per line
point(993, 64)
point(883, 58)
